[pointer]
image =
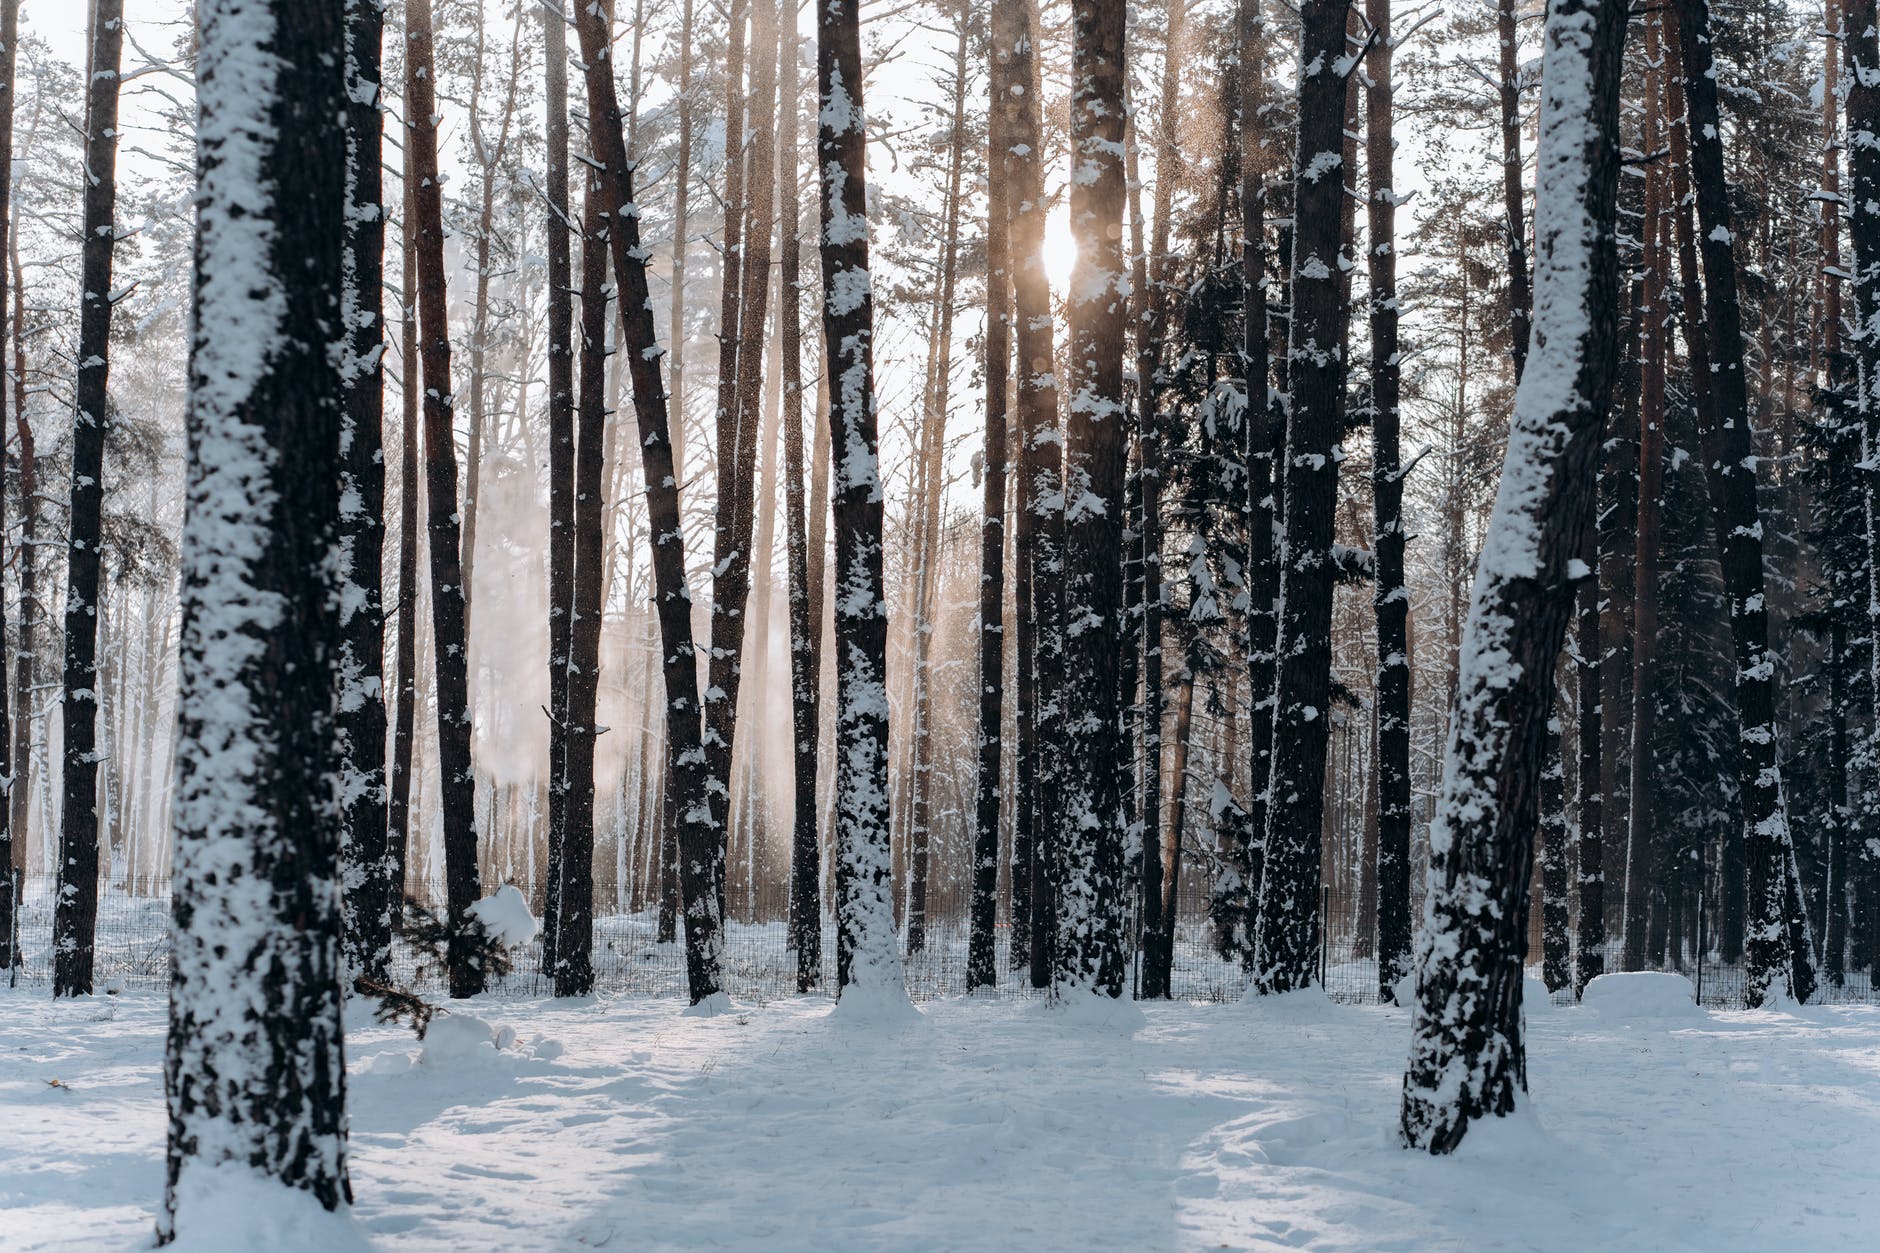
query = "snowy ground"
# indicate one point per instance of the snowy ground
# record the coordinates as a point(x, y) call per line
point(999, 1125)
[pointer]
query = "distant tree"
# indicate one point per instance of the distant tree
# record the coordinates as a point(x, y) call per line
point(12, 830)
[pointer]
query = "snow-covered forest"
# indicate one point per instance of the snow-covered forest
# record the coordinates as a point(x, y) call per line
point(939, 623)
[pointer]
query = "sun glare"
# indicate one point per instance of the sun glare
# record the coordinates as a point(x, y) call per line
point(1060, 248)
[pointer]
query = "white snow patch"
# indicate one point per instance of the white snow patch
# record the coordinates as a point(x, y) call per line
point(1641, 994)
point(505, 915)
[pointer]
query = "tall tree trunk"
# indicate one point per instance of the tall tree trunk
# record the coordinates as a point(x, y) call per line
point(1641, 830)
point(1091, 939)
point(1467, 1059)
point(574, 946)
point(1556, 957)
point(1287, 936)
point(362, 504)
point(26, 670)
point(1862, 46)
point(75, 916)
point(1590, 876)
point(700, 836)
point(12, 751)
point(681, 224)
point(805, 586)
point(1779, 944)
point(1039, 531)
point(561, 454)
point(1514, 224)
point(867, 960)
point(982, 955)
point(457, 778)
point(405, 666)
point(254, 1072)
point(1391, 597)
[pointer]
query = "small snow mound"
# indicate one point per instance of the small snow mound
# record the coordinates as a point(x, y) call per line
point(1094, 1010)
point(1535, 998)
point(1307, 1004)
point(711, 1007)
point(1404, 991)
point(872, 1004)
point(505, 916)
point(1641, 994)
point(546, 1050)
point(458, 1040)
point(1514, 1137)
point(231, 1209)
point(390, 1062)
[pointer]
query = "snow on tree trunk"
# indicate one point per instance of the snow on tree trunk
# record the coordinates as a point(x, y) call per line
point(560, 460)
point(12, 827)
point(75, 915)
point(1391, 597)
point(805, 590)
point(699, 832)
point(1862, 47)
point(255, 1072)
point(1590, 873)
point(368, 869)
point(1514, 200)
point(574, 941)
point(982, 956)
point(405, 665)
point(1467, 1059)
point(1090, 931)
point(457, 790)
point(1556, 957)
point(1287, 925)
point(1778, 943)
point(867, 959)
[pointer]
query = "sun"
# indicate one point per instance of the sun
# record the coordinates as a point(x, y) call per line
point(1060, 248)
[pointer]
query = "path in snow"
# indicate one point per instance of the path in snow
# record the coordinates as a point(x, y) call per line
point(997, 1125)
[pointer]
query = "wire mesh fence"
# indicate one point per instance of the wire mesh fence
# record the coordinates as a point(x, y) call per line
point(132, 951)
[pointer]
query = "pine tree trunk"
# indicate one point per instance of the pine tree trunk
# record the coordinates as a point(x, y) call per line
point(700, 837)
point(75, 916)
point(805, 586)
point(12, 823)
point(1556, 957)
point(1039, 531)
point(1467, 1059)
point(1778, 944)
point(362, 496)
point(26, 670)
point(574, 944)
point(254, 1072)
point(1590, 875)
point(681, 224)
point(1391, 597)
point(561, 454)
point(405, 672)
point(1514, 227)
point(457, 778)
point(982, 969)
point(1090, 925)
point(1862, 46)
point(866, 956)
point(1287, 927)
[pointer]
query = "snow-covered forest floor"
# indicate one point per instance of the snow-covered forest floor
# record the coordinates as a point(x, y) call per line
point(626, 1123)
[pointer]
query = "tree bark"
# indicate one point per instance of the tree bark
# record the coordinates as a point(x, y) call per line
point(12, 825)
point(561, 454)
point(457, 777)
point(1467, 1059)
point(75, 916)
point(699, 833)
point(1556, 954)
point(1778, 944)
point(1391, 596)
point(1514, 225)
point(254, 1072)
point(1287, 928)
point(1590, 877)
point(405, 673)
point(867, 960)
point(362, 504)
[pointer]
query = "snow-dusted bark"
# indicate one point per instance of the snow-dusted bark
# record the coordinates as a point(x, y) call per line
point(405, 661)
point(805, 585)
point(449, 614)
point(982, 960)
point(867, 959)
point(254, 1073)
point(1287, 925)
point(560, 226)
point(368, 870)
point(1513, 196)
point(698, 834)
point(1589, 882)
point(1091, 937)
point(1391, 597)
point(75, 915)
point(1862, 47)
point(1777, 944)
point(11, 830)
point(1466, 1056)
point(574, 890)
point(1038, 594)
point(1552, 834)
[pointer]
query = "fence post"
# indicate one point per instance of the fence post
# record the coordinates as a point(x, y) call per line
point(1325, 931)
point(1700, 944)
